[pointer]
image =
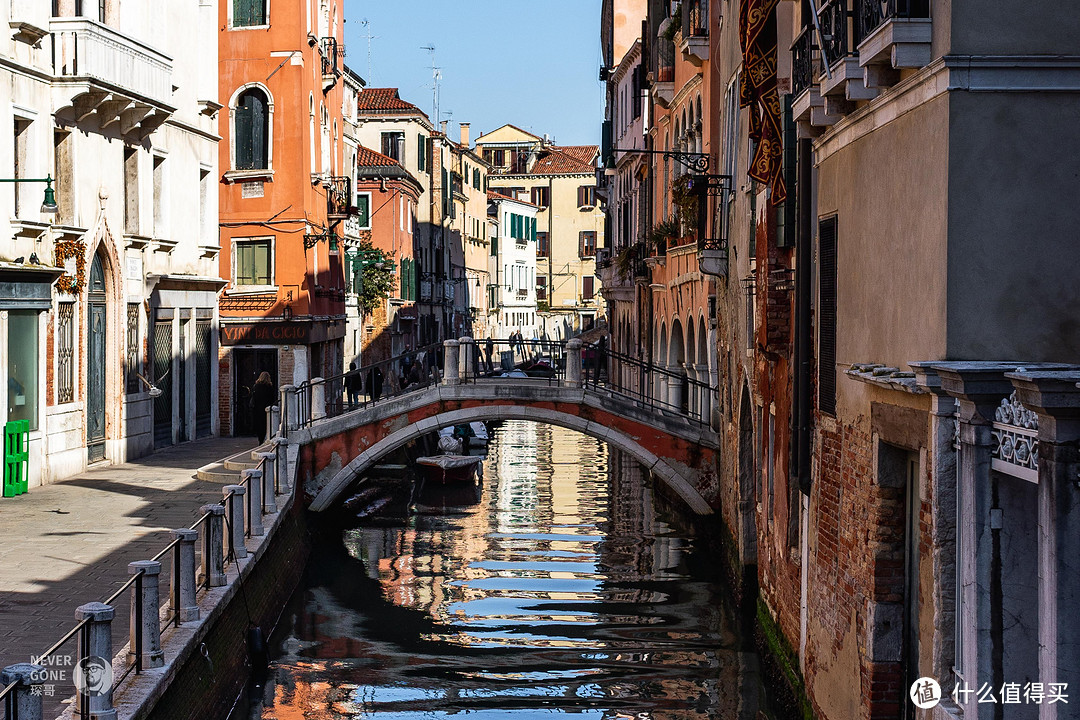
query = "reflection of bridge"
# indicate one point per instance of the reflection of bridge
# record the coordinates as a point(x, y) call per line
point(334, 449)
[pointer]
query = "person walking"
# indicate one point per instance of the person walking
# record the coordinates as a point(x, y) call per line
point(263, 395)
point(353, 382)
point(489, 350)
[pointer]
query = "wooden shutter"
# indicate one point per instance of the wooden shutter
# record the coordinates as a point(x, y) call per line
point(260, 149)
point(242, 134)
point(587, 287)
point(421, 153)
point(827, 316)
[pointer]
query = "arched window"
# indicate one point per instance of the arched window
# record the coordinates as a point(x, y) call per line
point(252, 130)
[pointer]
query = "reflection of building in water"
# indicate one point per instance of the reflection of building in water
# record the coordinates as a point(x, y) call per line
point(514, 458)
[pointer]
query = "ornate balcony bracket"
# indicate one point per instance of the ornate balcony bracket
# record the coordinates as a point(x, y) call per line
point(694, 162)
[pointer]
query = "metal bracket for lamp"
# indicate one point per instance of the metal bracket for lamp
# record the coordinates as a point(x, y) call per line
point(694, 162)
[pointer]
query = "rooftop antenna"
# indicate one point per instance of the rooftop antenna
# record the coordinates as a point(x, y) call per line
point(370, 37)
point(436, 75)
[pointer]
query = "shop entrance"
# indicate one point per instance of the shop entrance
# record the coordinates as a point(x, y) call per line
point(248, 363)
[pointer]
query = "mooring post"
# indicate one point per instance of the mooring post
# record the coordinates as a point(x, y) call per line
point(451, 366)
point(184, 586)
point(145, 637)
point(24, 703)
point(96, 652)
point(573, 363)
point(268, 460)
point(253, 506)
point(213, 545)
point(234, 519)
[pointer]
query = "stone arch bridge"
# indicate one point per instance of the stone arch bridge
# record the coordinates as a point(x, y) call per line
point(332, 452)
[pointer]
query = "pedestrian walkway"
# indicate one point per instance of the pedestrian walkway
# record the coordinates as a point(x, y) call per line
point(69, 543)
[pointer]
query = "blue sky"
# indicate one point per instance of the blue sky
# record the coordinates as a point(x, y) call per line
point(533, 64)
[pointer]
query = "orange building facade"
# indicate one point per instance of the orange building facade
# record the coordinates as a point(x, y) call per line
point(282, 197)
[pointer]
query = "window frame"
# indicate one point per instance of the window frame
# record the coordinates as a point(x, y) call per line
point(360, 223)
point(272, 271)
point(233, 106)
point(543, 244)
point(232, 17)
point(582, 247)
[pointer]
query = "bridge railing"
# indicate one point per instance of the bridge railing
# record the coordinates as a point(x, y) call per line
point(358, 388)
point(510, 359)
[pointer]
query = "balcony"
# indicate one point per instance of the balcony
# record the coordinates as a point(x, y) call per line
point(104, 75)
point(893, 35)
point(663, 80)
point(695, 31)
point(330, 52)
point(844, 81)
point(808, 107)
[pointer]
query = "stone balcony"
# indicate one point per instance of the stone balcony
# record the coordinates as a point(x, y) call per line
point(105, 76)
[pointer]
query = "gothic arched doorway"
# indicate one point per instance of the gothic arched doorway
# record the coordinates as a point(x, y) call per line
point(97, 325)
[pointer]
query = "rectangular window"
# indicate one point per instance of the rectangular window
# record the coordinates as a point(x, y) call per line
point(133, 367)
point(205, 231)
point(22, 368)
point(254, 262)
point(160, 230)
point(587, 287)
point(499, 158)
point(541, 287)
point(541, 197)
point(542, 245)
point(827, 316)
point(363, 210)
point(249, 12)
point(421, 153)
point(131, 191)
point(476, 179)
point(23, 203)
point(393, 145)
point(65, 352)
point(62, 143)
point(586, 196)
point(587, 243)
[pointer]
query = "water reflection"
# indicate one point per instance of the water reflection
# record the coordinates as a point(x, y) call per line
point(560, 591)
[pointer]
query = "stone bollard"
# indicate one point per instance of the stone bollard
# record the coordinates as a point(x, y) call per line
point(25, 704)
point(183, 602)
point(573, 363)
point(281, 473)
point(466, 361)
point(213, 546)
point(274, 422)
point(451, 367)
point(318, 398)
point(96, 652)
point(290, 409)
point(253, 506)
point(145, 617)
point(234, 519)
point(269, 460)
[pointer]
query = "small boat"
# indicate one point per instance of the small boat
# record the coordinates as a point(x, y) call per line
point(448, 469)
point(476, 433)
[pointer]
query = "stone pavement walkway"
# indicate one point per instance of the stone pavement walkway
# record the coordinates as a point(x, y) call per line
point(69, 543)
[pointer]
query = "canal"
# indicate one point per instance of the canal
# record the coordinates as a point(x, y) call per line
point(563, 587)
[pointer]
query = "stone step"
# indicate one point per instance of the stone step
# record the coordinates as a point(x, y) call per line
point(218, 473)
point(240, 461)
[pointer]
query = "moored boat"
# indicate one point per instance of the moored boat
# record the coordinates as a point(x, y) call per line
point(448, 469)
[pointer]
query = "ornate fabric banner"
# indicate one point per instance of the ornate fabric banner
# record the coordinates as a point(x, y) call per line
point(757, 91)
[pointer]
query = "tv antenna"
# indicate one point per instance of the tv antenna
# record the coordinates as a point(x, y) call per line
point(436, 75)
point(367, 33)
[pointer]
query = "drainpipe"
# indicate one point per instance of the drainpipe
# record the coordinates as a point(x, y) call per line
point(803, 337)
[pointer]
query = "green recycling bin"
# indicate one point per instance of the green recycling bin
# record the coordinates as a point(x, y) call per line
point(16, 457)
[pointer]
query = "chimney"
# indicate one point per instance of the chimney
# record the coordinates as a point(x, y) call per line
point(465, 134)
point(442, 126)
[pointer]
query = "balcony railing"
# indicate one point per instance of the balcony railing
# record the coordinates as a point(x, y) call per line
point(871, 14)
point(665, 59)
point(330, 51)
point(84, 48)
point(338, 193)
point(695, 18)
point(802, 61)
point(836, 38)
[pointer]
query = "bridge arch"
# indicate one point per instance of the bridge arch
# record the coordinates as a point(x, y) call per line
point(671, 476)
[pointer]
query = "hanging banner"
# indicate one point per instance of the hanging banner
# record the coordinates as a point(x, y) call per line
point(758, 91)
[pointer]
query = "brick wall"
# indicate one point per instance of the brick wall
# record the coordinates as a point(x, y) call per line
point(225, 389)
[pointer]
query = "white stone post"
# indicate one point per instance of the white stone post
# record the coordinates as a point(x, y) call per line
point(234, 519)
point(290, 410)
point(99, 646)
point(268, 460)
point(182, 598)
point(573, 363)
point(466, 364)
point(318, 398)
point(275, 422)
point(213, 546)
point(26, 705)
point(451, 367)
point(145, 620)
point(253, 506)
point(281, 472)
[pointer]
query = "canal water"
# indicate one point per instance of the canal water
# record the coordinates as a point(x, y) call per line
point(561, 586)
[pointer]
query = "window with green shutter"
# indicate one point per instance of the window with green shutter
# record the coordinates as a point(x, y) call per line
point(253, 262)
point(421, 153)
point(363, 210)
point(251, 131)
point(247, 13)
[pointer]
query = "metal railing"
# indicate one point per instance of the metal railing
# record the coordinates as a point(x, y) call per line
point(803, 51)
point(871, 14)
point(836, 40)
point(695, 18)
point(509, 359)
point(259, 486)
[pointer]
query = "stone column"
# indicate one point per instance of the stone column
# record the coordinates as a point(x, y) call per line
point(467, 361)
point(27, 705)
point(269, 486)
point(183, 599)
point(674, 390)
point(281, 472)
point(290, 410)
point(234, 519)
point(145, 620)
point(213, 546)
point(1055, 397)
point(573, 363)
point(275, 422)
point(99, 647)
point(253, 502)
point(451, 365)
point(318, 398)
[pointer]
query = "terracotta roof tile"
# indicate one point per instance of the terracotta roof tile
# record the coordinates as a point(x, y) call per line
point(495, 195)
point(367, 158)
point(568, 160)
point(385, 100)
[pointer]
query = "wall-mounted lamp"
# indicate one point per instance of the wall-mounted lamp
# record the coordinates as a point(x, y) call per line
point(49, 204)
point(286, 313)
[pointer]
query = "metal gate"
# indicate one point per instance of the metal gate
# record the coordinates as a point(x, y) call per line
point(203, 405)
point(163, 354)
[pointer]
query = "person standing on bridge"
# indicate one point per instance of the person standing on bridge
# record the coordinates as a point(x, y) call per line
point(263, 395)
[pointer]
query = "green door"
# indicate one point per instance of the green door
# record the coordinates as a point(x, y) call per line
point(95, 371)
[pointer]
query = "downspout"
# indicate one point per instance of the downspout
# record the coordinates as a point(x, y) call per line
point(804, 338)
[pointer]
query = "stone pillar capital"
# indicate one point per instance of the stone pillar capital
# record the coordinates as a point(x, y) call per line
point(979, 386)
point(1055, 396)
